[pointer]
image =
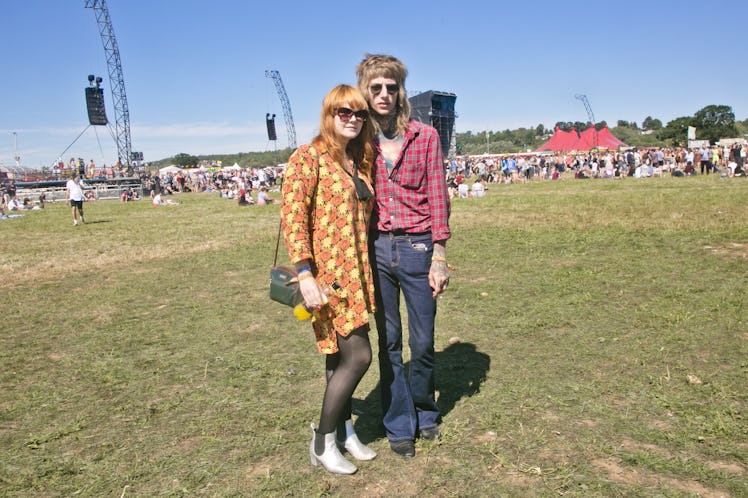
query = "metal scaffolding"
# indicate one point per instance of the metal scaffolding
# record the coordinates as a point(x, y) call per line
point(116, 80)
point(590, 116)
point(287, 115)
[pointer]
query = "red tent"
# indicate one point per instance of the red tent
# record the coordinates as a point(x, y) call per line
point(605, 139)
point(565, 140)
point(561, 140)
point(604, 136)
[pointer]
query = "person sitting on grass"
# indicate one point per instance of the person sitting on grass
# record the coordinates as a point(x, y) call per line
point(245, 198)
point(159, 201)
point(28, 204)
point(478, 189)
point(14, 205)
point(263, 198)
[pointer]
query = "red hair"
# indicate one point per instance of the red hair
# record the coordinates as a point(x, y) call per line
point(359, 149)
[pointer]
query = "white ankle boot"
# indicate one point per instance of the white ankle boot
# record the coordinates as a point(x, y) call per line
point(354, 446)
point(331, 459)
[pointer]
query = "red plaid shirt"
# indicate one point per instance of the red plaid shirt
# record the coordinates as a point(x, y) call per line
point(413, 197)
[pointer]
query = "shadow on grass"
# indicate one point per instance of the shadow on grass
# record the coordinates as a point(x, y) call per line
point(96, 222)
point(460, 370)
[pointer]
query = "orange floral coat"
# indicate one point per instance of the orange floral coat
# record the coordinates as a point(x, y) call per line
point(324, 221)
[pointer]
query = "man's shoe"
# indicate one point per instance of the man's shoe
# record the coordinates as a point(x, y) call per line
point(432, 434)
point(404, 448)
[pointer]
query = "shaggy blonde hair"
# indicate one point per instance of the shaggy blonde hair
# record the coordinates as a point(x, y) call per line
point(386, 66)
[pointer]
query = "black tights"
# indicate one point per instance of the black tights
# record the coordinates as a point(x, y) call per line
point(345, 369)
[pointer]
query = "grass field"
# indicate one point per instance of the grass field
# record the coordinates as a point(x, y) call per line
point(593, 342)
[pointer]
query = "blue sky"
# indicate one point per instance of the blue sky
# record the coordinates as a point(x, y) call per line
point(195, 70)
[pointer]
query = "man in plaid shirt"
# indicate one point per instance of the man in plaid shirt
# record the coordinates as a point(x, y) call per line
point(410, 231)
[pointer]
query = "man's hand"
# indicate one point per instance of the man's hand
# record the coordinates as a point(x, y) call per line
point(439, 273)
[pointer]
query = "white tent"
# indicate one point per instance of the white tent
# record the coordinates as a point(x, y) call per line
point(169, 169)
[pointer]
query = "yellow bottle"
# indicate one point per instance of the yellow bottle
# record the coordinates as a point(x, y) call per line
point(301, 312)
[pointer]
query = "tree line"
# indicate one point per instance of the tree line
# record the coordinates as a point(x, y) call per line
point(243, 159)
point(712, 123)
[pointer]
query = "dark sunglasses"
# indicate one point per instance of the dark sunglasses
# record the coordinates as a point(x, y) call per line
point(377, 87)
point(346, 114)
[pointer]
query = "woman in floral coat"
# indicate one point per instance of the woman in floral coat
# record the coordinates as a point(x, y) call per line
point(326, 207)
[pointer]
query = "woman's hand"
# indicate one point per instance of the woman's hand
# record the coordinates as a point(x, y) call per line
point(314, 298)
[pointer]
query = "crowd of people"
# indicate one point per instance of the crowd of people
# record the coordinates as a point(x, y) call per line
point(10, 202)
point(62, 170)
point(469, 176)
point(727, 161)
point(247, 186)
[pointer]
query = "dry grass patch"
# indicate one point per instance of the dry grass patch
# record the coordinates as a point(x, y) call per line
point(734, 250)
point(617, 473)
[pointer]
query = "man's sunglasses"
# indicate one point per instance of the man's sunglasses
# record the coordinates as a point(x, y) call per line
point(376, 88)
point(346, 114)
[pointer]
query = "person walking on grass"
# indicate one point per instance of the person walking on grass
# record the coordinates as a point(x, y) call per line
point(74, 194)
point(409, 232)
point(326, 204)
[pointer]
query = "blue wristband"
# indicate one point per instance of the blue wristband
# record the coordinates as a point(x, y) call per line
point(304, 268)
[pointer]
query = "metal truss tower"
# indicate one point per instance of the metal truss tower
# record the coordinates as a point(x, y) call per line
point(116, 80)
point(287, 115)
point(590, 116)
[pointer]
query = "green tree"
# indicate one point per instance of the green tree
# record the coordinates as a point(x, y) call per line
point(742, 127)
point(675, 133)
point(580, 127)
point(651, 123)
point(185, 160)
point(635, 138)
point(714, 122)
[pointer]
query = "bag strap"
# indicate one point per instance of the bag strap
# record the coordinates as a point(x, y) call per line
point(277, 244)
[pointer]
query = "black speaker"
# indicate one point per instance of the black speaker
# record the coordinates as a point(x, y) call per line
point(95, 106)
point(438, 110)
point(270, 122)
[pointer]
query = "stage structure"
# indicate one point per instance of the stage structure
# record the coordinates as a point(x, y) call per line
point(287, 115)
point(591, 117)
point(438, 110)
point(116, 81)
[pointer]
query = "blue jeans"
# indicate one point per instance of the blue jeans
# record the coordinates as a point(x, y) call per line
point(402, 262)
